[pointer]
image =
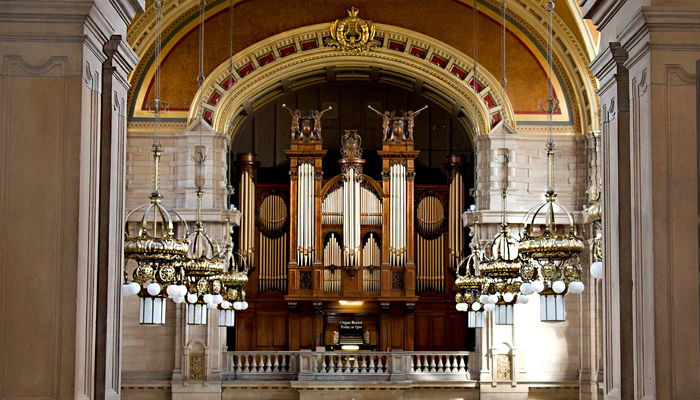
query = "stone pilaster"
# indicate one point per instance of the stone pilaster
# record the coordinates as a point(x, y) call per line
point(648, 86)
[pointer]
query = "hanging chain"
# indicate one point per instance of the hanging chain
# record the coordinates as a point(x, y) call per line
point(551, 103)
point(158, 104)
point(199, 157)
point(474, 192)
point(504, 79)
point(230, 41)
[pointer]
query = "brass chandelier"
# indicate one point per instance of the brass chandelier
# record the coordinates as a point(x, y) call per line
point(159, 254)
point(502, 267)
point(192, 269)
point(469, 281)
point(550, 249)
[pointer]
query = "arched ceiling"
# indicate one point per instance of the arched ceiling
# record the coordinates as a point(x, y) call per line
point(449, 21)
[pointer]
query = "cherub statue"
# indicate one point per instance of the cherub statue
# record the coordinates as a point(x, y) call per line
point(316, 115)
point(386, 122)
point(409, 118)
point(296, 117)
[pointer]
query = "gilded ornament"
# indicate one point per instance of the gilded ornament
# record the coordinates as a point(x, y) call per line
point(572, 273)
point(167, 273)
point(352, 34)
point(548, 271)
point(143, 273)
point(527, 272)
point(216, 286)
point(202, 285)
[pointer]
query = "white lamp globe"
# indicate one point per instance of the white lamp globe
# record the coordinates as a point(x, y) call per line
point(173, 291)
point(153, 289)
point(183, 290)
point(459, 306)
point(484, 298)
point(493, 299)
point(476, 306)
point(192, 298)
point(523, 300)
point(218, 299)
point(488, 307)
point(527, 289)
point(237, 305)
point(225, 305)
point(178, 299)
point(538, 286)
point(212, 305)
point(559, 287)
point(208, 298)
point(576, 287)
point(508, 297)
point(135, 288)
point(244, 305)
point(597, 270)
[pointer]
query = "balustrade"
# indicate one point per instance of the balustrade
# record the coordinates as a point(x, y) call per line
point(347, 366)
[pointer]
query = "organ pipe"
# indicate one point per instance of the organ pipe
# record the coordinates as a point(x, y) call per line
point(430, 244)
point(370, 257)
point(247, 164)
point(456, 207)
point(397, 220)
point(306, 214)
point(332, 255)
point(273, 246)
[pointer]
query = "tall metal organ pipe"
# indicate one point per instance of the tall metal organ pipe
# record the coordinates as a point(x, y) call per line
point(247, 201)
point(397, 222)
point(456, 207)
point(305, 221)
point(351, 218)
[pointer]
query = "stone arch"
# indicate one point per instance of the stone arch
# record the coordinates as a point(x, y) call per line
point(295, 58)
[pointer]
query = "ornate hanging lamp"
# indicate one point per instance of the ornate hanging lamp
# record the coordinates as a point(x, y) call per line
point(551, 248)
point(502, 270)
point(503, 266)
point(233, 282)
point(469, 282)
point(204, 264)
point(159, 254)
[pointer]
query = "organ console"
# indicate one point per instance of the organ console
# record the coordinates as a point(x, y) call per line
point(384, 244)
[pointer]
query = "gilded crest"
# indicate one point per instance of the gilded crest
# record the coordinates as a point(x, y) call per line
point(352, 34)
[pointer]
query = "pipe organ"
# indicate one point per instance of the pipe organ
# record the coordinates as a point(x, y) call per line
point(376, 239)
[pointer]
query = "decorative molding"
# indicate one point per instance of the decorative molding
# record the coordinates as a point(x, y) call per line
point(252, 78)
point(55, 66)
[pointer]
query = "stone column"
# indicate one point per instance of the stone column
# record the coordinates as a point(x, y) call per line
point(650, 204)
point(51, 94)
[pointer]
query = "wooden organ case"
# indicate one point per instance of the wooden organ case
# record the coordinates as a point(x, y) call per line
point(348, 250)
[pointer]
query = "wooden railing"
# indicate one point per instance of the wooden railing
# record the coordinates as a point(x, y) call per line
point(347, 366)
